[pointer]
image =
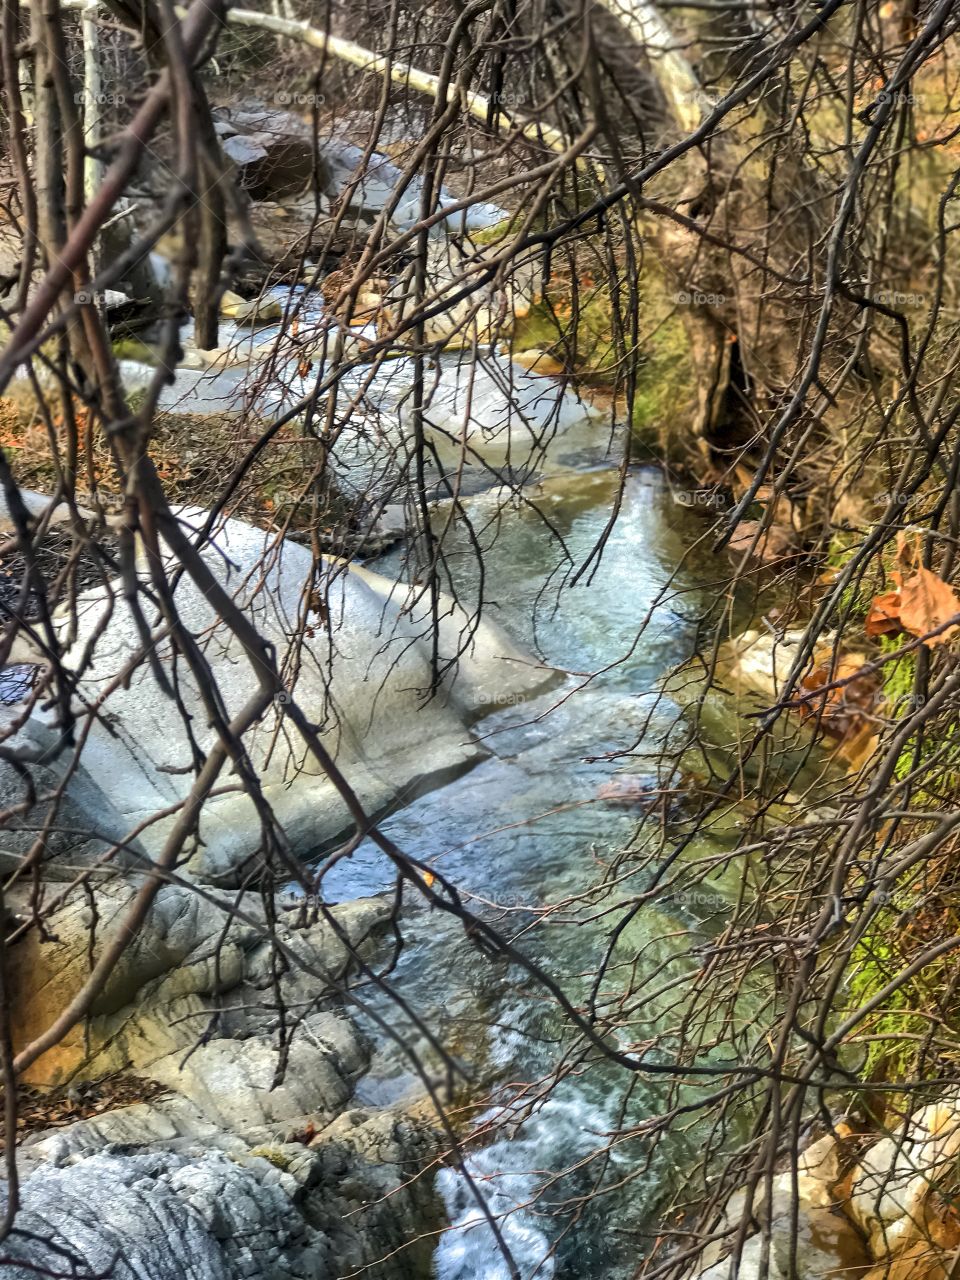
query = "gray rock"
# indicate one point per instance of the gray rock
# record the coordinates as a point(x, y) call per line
point(187, 980)
point(243, 149)
point(166, 1217)
point(274, 121)
point(363, 1157)
point(272, 168)
point(75, 831)
point(482, 317)
point(236, 1083)
point(277, 1211)
point(170, 1123)
point(827, 1247)
point(273, 152)
point(367, 197)
point(37, 505)
point(363, 680)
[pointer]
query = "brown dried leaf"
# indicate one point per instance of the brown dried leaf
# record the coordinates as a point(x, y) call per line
point(849, 694)
point(926, 602)
point(884, 615)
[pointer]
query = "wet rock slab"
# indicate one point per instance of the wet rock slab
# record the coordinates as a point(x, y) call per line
point(363, 675)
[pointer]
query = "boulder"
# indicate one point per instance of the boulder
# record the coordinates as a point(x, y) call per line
point(76, 831)
point(825, 1235)
point(502, 414)
point(273, 153)
point(362, 676)
point(827, 1247)
point(160, 1216)
point(194, 974)
point(215, 1178)
point(369, 192)
point(278, 1211)
point(234, 1082)
point(487, 420)
point(173, 1124)
point(816, 1175)
point(481, 317)
point(760, 661)
point(894, 1178)
point(369, 1163)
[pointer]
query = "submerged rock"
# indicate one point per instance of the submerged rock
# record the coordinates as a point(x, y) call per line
point(633, 791)
point(254, 310)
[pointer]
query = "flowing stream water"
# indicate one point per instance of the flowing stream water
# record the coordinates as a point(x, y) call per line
point(525, 830)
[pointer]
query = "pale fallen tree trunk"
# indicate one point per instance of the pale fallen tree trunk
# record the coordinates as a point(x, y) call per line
point(475, 104)
point(640, 20)
point(93, 167)
point(676, 76)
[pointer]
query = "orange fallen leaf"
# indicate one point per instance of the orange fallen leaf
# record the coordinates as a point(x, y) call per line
point(884, 616)
point(921, 603)
point(926, 603)
point(841, 693)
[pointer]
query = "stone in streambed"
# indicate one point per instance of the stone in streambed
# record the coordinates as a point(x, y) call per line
point(257, 310)
point(828, 1245)
point(891, 1185)
point(827, 1248)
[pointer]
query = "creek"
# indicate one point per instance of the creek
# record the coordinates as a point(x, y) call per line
point(525, 831)
point(524, 836)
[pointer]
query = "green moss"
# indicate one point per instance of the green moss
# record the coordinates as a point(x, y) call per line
point(892, 1028)
point(590, 349)
point(587, 347)
point(136, 399)
point(134, 349)
point(665, 378)
point(278, 1158)
point(499, 231)
point(537, 330)
point(943, 743)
